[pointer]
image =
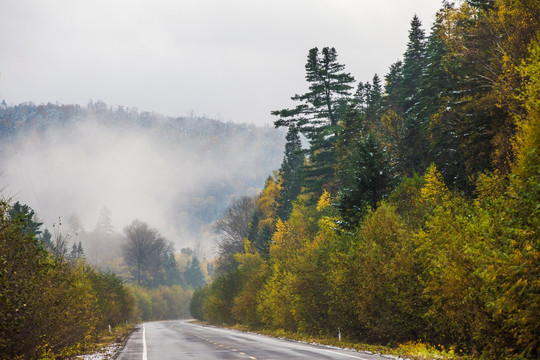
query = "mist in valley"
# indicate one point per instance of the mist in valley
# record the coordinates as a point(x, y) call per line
point(89, 174)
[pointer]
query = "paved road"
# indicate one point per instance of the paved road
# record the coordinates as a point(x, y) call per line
point(181, 339)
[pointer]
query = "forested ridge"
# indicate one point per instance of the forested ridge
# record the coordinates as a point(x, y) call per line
point(192, 143)
point(413, 213)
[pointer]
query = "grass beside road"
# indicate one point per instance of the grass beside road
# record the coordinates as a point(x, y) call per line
point(101, 346)
point(411, 350)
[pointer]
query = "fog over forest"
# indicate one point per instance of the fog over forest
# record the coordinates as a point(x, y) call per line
point(178, 175)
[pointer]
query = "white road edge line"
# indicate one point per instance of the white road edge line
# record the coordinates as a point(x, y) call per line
point(144, 352)
point(352, 356)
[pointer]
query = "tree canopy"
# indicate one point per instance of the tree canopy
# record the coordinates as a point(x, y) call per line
point(417, 218)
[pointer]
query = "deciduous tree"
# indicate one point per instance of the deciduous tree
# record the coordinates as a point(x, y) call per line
point(145, 251)
point(232, 228)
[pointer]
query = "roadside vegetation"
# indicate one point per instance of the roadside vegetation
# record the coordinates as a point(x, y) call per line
point(411, 219)
point(54, 304)
point(416, 350)
point(51, 304)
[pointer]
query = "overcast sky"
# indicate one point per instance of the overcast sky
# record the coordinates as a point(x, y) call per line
point(235, 60)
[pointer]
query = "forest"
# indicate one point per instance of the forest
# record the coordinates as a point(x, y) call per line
point(413, 212)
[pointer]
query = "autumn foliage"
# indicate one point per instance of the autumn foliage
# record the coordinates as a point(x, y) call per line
point(444, 248)
point(50, 304)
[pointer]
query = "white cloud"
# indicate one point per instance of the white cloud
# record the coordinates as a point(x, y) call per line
point(240, 58)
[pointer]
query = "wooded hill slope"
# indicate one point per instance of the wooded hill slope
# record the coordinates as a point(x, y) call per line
point(66, 160)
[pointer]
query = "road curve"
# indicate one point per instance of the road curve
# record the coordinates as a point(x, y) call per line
point(181, 339)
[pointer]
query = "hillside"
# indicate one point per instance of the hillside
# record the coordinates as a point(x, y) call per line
point(179, 174)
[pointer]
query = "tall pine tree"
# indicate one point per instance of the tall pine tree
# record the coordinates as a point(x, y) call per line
point(413, 147)
point(374, 105)
point(318, 114)
point(391, 122)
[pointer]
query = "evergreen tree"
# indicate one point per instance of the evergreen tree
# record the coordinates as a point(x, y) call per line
point(413, 147)
point(413, 65)
point(318, 114)
point(391, 122)
point(193, 275)
point(24, 216)
point(463, 131)
point(393, 89)
point(362, 117)
point(76, 251)
point(172, 273)
point(260, 233)
point(365, 178)
point(368, 107)
point(73, 253)
point(80, 251)
point(351, 126)
point(373, 111)
point(263, 240)
point(291, 172)
point(253, 231)
point(104, 225)
point(46, 238)
point(210, 268)
point(437, 84)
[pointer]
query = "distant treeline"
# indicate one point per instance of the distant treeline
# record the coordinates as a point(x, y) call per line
point(414, 212)
point(28, 117)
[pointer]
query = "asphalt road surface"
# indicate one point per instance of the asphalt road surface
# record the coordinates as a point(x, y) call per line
point(181, 339)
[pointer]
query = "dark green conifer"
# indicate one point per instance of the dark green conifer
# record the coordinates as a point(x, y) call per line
point(291, 172)
point(24, 216)
point(413, 144)
point(172, 273)
point(393, 88)
point(365, 177)
point(374, 105)
point(194, 276)
point(318, 114)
